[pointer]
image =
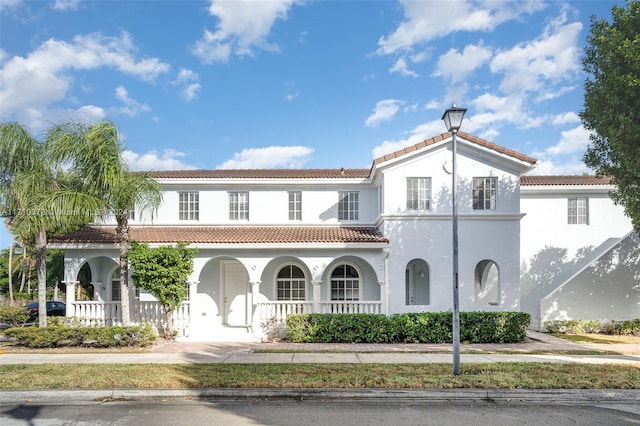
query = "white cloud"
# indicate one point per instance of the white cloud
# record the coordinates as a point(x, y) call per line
point(131, 107)
point(6, 4)
point(553, 57)
point(169, 159)
point(566, 118)
point(571, 141)
point(190, 92)
point(44, 76)
point(418, 134)
point(242, 26)
point(190, 82)
point(290, 157)
point(427, 20)
point(400, 66)
point(291, 96)
point(385, 110)
point(66, 5)
point(455, 66)
point(549, 167)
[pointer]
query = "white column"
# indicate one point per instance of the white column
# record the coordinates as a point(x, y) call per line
point(384, 298)
point(316, 296)
point(254, 319)
point(71, 296)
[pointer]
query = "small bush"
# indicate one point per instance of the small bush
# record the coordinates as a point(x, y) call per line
point(13, 315)
point(426, 327)
point(98, 337)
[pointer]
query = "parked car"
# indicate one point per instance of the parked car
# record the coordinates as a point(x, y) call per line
point(54, 309)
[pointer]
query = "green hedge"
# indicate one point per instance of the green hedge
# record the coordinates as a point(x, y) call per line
point(426, 327)
point(13, 315)
point(620, 327)
point(97, 337)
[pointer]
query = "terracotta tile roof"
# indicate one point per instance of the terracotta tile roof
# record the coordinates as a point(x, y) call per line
point(564, 180)
point(468, 137)
point(263, 174)
point(227, 234)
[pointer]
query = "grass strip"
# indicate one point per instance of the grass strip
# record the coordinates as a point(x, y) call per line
point(417, 376)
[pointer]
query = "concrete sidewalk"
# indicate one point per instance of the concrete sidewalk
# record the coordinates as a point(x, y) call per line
point(538, 348)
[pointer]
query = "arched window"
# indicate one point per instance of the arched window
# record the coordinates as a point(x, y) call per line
point(345, 283)
point(291, 283)
point(487, 280)
point(417, 283)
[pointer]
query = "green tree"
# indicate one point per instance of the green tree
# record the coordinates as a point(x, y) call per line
point(612, 104)
point(95, 152)
point(163, 272)
point(38, 197)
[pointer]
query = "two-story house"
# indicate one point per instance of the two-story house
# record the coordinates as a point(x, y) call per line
point(275, 242)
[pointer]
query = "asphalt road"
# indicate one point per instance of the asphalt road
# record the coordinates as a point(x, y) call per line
point(313, 412)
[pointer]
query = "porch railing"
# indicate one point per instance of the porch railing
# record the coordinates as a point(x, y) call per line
point(109, 314)
point(355, 307)
point(278, 311)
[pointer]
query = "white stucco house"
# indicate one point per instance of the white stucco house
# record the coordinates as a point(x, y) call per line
point(377, 240)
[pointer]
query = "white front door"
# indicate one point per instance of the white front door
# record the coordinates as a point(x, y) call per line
point(236, 283)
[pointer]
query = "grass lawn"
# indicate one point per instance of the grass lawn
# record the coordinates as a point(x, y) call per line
point(600, 338)
point(416, 376)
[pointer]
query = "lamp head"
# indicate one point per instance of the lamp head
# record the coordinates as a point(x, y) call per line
point(453, 118)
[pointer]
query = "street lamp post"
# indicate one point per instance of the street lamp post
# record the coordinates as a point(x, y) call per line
point(453, 120)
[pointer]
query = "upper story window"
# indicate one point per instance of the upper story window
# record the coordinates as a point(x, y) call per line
point(295, 205)
point(577, 212)
point(484, 193)
point(418, 193)
point(239, 206)
point(348, 205)
point(189, 206)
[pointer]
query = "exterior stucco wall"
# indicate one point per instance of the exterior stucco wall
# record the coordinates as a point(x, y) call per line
point(609, 289)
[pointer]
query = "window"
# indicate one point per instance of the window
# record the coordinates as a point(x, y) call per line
point(345, 283)
point(239, 206)
point(290, 283)
point(115, 285)
point(295, 205)
point(189, 206)
point(487, 283)
point(348, 206)
point(484, 193)
point(418, 193)
point(577, 211)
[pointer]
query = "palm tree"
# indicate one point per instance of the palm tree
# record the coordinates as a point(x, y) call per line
point(95, 152)
point(37, 196)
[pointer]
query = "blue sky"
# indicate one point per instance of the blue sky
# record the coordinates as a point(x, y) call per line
point(299, 84)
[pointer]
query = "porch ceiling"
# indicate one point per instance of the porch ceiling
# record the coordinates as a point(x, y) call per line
point(226, 234)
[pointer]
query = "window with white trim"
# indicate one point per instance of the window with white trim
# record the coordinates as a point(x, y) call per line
point(291, 283)
point(484, 193)
point(295, 205)
point(348, 205)
point(418, 193)
point(189, 206)
point(345, 283)
point(238, 206)
point(577, 211)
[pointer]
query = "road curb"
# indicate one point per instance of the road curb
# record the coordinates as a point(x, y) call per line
point(550, 396)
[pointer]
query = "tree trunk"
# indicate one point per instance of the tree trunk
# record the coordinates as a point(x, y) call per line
point(11, 272)
point(41, 267)
point(24, 266)
point(122, 232)
point(168, 314)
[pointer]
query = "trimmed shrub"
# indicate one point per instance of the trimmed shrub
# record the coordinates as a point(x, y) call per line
point(426, 327)
point(97, 337)
point(13, 315)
